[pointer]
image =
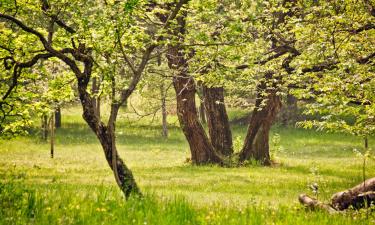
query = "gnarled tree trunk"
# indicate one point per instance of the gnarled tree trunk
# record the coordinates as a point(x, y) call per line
point(218, 122)
point(256, 144)
point(202, 151)
point(106, 136)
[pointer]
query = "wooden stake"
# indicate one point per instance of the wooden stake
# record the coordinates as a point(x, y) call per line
point(52, 123)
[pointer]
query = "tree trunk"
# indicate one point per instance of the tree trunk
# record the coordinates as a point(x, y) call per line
point(256, 144)
point(106, 136)
point(164, 110)
point(218, 122)
point(52, 136)
point(356, 196)
point(202, 151)
point(123, 175)
point(44, 127)
point(202, 110)
point(202, 113)
point(360, 196)
point(58, 117)
point(95, 90)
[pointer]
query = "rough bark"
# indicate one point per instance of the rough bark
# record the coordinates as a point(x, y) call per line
point(360, 196)
point(202, 113)
point(355, 196)
point(106, 136)
point(218, 122)
point(202, 110)
point(96, 98)
point(202, 151)
point(256, 144)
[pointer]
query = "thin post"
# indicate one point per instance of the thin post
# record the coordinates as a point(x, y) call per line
point(52, 134)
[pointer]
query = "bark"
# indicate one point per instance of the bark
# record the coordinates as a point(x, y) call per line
point(202, 113)
point(44, 127)
point(360, 196)
point(106, 136)
point(314, 204)
point(52, 136)
point(356, 196)
point(58, 117)
point(105, 133)
point(202, 151)
point(218, 122)
point(95, 90)
point(202, 110)
point(256, 144)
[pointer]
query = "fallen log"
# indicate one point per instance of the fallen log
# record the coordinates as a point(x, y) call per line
point(360, 196)
point(314, 204)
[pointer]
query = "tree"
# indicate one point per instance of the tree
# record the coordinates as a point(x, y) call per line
point(336, 65)
point(202, 151)
point(77, 35)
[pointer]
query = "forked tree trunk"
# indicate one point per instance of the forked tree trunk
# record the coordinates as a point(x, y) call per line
point(218, 122)
point(256, 144)
point(202, 151)
point(106, 136)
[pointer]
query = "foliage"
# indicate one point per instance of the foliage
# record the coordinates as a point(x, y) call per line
point(337, 44)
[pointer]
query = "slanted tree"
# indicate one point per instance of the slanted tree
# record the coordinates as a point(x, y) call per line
point(77, 35)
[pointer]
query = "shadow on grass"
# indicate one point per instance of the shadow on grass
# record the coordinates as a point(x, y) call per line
point(79, 133)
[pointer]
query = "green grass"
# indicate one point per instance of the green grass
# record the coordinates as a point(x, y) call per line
point(77, 186)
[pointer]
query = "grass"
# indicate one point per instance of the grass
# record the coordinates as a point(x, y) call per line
point(77, 186)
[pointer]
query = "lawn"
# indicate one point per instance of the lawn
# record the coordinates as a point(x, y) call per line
point(77, 186)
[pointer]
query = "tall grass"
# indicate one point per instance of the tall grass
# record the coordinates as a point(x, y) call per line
point(22, 204)
point(77, 186)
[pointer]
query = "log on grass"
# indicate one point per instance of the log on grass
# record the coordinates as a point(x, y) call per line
point(360, 196)
point(314, 204)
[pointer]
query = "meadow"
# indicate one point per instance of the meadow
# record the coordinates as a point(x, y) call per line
point(77, 186)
